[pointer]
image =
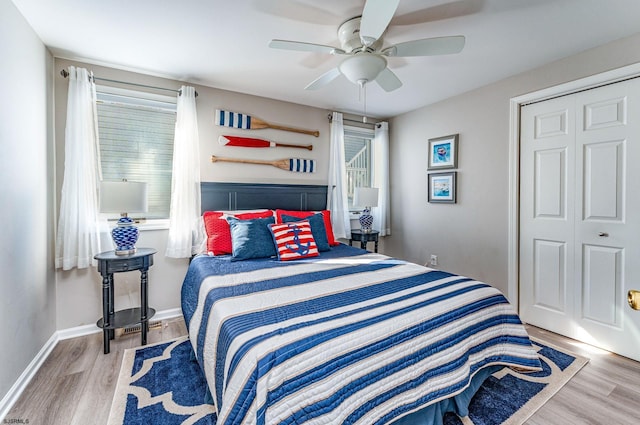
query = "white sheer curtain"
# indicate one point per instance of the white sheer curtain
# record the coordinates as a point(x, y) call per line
point(381, 213)
point(337, 200)
point(78, 237)
point(185, 228)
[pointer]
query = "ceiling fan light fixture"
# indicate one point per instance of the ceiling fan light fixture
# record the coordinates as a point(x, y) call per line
point(363, 66)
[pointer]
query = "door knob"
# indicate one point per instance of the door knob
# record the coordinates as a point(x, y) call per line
point(633, 297)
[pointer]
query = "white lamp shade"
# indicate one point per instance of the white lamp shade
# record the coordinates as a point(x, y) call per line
point(123, 197)
point(365, 197)
point(363, 67)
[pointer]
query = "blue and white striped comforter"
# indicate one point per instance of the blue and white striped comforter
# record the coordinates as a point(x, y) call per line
point(363, 339)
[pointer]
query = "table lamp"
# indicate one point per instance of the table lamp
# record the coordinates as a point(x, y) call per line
point(123, 197)
point(366, 197)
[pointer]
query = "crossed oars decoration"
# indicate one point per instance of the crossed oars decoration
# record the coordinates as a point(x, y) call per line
point(247, 122)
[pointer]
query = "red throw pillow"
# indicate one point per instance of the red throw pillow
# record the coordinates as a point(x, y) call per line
point(219, 232)
point(326, 215)
point(294, 240)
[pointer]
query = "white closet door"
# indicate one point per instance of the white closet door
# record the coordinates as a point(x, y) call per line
point(608, 220)
point(580, 216)
point(547, 266)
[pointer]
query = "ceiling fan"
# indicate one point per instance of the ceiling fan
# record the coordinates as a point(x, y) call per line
point(363, 45)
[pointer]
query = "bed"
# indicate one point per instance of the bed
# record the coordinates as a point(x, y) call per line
point(343, 336)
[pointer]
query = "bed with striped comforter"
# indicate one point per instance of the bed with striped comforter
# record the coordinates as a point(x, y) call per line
point(349, 337)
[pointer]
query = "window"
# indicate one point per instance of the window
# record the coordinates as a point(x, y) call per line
point(136, 132)
point(358, 157)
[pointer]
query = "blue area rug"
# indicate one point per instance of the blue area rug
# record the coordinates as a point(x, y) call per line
point(161, 384)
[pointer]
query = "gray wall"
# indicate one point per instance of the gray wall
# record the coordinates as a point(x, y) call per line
point(471, 237)
point(27, 282)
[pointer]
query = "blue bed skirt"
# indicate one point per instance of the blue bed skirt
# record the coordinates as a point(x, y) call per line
point(434, 414)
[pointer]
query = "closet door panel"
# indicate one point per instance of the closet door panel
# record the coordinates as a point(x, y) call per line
point(607, 221)
point(547, 214)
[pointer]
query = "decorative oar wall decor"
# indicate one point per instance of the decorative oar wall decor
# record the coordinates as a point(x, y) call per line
point(297, 165)
point(247, 122)
point(249, 142)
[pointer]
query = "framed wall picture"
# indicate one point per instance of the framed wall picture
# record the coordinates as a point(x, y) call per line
point(443, 152)
point(442, 187)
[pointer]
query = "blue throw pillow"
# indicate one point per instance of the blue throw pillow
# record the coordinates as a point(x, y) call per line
point(251, 238)
point(317, 229)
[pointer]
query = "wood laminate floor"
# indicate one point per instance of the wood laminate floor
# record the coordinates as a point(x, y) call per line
point(76, 383)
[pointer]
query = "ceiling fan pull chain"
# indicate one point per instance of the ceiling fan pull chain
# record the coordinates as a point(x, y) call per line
point(364, 95)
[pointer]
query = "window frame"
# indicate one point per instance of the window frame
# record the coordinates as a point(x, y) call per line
point(368, 134)
point(152, 100)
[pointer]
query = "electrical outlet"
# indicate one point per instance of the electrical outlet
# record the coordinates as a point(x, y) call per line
point(433, 261)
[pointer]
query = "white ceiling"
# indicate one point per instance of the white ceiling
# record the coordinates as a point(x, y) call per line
point(224, 44)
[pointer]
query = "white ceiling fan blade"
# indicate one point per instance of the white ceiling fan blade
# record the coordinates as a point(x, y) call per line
point(388, 80)
point(324, 79)
point(305, 47)
point(427, 47)
point(375, 18)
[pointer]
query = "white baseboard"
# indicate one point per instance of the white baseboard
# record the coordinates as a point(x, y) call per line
point(91, 329)
point(168, 314)
point(18, 387)
point(78, 331)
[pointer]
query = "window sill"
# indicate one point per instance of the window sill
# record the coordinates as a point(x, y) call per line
point(157, 224)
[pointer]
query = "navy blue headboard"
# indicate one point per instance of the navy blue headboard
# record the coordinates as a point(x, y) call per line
point(249, 196)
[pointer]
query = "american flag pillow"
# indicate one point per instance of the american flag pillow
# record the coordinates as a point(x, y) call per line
point(294, 240)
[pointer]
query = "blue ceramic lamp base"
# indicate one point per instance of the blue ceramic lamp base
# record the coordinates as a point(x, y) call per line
point(366, 220)
point(125, 236)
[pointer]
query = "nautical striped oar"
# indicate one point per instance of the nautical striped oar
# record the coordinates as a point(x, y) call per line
point(247, 122)
point(249, 142)
point(296, 165)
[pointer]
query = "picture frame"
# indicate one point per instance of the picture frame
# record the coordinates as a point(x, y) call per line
point(441, 187)
point(443, 152)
